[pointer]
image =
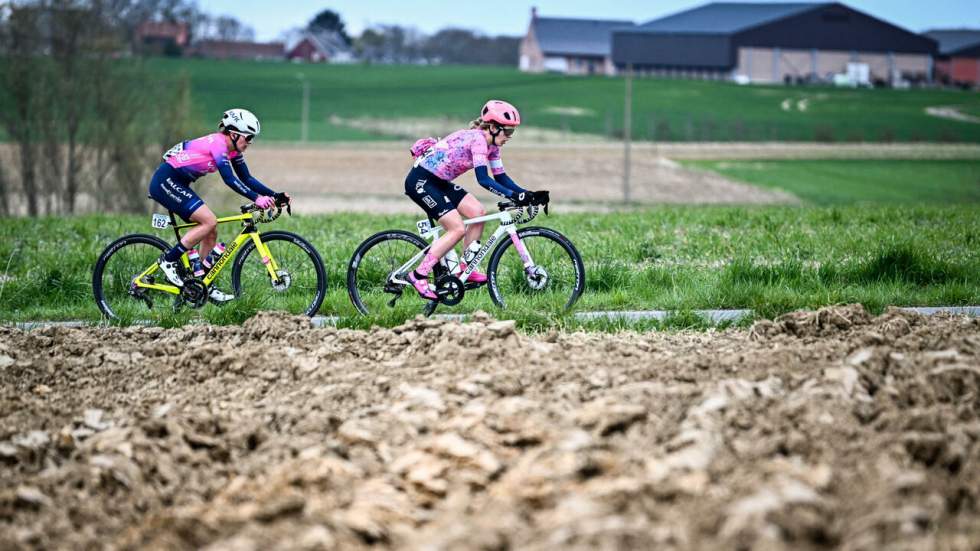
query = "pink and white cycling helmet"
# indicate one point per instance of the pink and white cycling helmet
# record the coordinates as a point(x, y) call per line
point(501, 113)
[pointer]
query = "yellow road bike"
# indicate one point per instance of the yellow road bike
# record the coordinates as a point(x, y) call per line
point(278, 269)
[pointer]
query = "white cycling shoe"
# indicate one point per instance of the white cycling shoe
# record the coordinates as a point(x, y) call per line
point(219, 296)
point(172, 272)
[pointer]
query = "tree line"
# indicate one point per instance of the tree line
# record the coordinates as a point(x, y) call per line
point(82, 122)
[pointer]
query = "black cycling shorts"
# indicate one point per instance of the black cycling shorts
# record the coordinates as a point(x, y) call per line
point(172, 190)
point(436, 196)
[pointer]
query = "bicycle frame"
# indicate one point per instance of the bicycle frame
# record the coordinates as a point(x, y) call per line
point(248, 232)
point(507, 225)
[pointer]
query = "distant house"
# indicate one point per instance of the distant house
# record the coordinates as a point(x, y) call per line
point(233, 49)
point(161, 37)
point(778, 42)
point(958, 61)
point(573, 46)
point(321, 47)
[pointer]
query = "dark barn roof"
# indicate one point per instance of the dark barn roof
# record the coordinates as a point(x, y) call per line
point(709, 36)
point(955, 41)
point(724, 17)
point(586, 37)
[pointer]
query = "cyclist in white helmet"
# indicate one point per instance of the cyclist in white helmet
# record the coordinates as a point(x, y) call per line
point(222, 151)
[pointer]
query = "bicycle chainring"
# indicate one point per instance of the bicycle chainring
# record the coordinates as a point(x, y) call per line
point(450, 290)
point(194, 293)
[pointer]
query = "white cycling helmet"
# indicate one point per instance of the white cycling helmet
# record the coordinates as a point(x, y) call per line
point(241, 121)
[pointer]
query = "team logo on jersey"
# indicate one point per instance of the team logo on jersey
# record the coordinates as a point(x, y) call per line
point(429, 201)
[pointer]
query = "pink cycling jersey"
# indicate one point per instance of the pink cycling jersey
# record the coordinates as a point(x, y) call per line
point(459, 152)
point(198, 157)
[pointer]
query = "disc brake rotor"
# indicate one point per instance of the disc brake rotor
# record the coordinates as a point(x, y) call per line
point(285, 280)
point(537, 278)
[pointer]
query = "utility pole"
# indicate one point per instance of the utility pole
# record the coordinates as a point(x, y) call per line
point(304, 123)
point(627, 131)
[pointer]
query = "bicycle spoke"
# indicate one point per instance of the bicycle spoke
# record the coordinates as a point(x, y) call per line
point(114, 286)
point(299, 283)
point(380, 257)
point(553, 283)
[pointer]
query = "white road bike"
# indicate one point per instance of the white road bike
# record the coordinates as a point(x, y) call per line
point(535, 267)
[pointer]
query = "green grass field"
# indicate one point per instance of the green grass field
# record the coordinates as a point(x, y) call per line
point(674, 110)
point(860, 181)
point(769, 259)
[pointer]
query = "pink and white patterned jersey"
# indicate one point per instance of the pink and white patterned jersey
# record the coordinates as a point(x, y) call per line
point(459, 152)
point(200, 156)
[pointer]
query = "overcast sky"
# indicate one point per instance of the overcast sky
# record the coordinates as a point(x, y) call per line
point(510, 17)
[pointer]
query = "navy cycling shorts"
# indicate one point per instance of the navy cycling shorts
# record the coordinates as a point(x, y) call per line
point(172, 190)
point(436, 196)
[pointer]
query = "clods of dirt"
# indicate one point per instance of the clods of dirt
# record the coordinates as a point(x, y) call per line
point(826, 429)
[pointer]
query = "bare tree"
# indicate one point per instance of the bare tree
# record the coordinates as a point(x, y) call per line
point(77, 110)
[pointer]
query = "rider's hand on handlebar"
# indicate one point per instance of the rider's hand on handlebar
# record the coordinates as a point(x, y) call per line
point(540, 197)
point(265, 202)
point(283, 199)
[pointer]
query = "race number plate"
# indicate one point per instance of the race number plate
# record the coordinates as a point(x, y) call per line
point(424, 226)
point(160, 221)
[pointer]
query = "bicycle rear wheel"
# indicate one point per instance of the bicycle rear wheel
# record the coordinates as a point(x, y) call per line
point(115, 270)
point(373, 263)
point(302, 278)
point(555, 281)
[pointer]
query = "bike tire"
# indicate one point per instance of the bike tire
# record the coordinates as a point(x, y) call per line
point(115, 269)
point(553, 249)
point(306, 286)
point(366, 278)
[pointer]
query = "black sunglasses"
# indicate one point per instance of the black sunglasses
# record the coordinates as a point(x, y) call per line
point(508, 130)
point(248, 137)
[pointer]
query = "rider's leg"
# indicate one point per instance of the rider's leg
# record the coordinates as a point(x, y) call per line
point(205, 233)
point(452, 222)
point(470, 207)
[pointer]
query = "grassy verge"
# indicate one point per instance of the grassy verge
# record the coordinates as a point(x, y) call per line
point(772, 260)
point(836, 182)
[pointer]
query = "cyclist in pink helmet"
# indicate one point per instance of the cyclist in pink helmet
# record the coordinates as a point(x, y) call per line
point(438, 163)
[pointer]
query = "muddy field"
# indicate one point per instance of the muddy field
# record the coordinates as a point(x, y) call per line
point(829, 429)
point(582, 176)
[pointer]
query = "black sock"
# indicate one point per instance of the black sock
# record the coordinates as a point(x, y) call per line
point(418, 275)
point(173, 255)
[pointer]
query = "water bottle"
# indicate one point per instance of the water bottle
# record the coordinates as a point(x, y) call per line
point(214, 255)
point(195, 261)
point(452, 261)
point(470, 252)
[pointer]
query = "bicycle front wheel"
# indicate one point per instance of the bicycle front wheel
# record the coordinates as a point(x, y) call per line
point(554, 281)
point(301, 281)
point(115, 272)
point(374, 262)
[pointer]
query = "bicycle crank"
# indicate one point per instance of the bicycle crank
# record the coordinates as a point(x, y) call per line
point(194, 293)
point(449, 289)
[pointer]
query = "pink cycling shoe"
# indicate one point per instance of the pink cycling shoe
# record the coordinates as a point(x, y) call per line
point(475, 276)
point(421, 285)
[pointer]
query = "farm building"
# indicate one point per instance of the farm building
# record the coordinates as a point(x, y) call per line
point(573, 46)
point(958, 61)
point(784, 42)
point(234, 49)
point(320, 47)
